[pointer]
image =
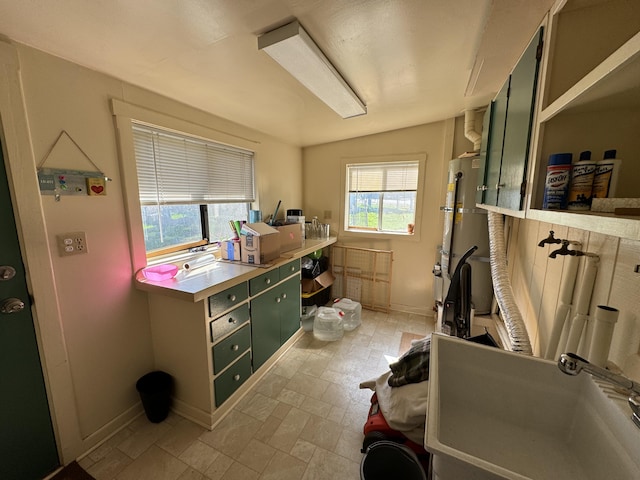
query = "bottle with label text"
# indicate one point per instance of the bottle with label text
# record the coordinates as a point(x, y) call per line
point(582, 174)
point(606, 176)
point(556, 186)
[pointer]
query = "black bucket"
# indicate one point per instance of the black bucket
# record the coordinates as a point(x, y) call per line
point(385, 459)
point(155, 390)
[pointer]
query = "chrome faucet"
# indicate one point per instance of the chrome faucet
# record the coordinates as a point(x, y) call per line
point(572, 364)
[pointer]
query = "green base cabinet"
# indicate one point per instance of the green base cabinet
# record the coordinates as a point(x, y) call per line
point(275, 316)
point(232, 378)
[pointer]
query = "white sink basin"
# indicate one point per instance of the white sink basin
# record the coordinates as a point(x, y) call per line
point(496, 414)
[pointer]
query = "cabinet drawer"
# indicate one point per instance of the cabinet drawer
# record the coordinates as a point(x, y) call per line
point(231, 348)
point(232, 379)
point(222, 301)
point(264, 281)
point(289, 269)
point(228, 322)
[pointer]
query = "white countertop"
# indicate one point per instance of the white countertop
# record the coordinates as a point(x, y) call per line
point(197, 285)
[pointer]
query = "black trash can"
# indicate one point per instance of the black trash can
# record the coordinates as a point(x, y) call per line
point(385, 459)
point(155, 390)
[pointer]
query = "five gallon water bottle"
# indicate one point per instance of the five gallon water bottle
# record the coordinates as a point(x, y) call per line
point(352, 313)
point(328, 325)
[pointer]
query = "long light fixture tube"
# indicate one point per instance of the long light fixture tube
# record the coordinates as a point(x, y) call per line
point(293, 48)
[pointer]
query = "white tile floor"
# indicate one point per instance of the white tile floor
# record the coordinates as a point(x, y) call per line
point(303, 420)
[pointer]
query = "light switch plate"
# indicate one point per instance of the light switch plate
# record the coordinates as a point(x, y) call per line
point(72, 243)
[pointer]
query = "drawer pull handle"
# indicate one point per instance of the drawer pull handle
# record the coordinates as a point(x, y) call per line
point(233, 320)
point(235, 347)
point(268, 281)
point(278, 300)
point(236, 377)
point(232, 298)
point(284, 295)
point(293, 269)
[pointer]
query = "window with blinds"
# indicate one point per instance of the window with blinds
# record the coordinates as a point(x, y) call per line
point(381, 197)
point(189, 188)
point(178, 169)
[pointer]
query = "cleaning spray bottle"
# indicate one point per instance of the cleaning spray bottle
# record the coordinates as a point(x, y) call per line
point(556, 185)
point(582, 174)
point(606, 176)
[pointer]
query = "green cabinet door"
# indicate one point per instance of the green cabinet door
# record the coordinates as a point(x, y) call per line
point(289, 308)
point(517, 135)
point(482, 160)
point(265, 326)
point(275, 316)
point(228, 382)
point(496, 140)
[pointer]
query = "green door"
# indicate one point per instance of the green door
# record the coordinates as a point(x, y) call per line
point(484, 149)
point(265, 326)
point(517, 135)
point(27, 444)
point(496, 140)
point(289, 308)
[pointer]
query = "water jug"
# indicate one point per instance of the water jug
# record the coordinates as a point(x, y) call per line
point(352, 313)
point(327, 326)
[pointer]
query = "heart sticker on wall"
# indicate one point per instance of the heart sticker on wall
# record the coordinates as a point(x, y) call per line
point(96, 186)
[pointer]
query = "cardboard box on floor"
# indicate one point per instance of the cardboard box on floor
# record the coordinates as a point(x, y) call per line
point(310, 285)
point(290, 236)
point(260, 243)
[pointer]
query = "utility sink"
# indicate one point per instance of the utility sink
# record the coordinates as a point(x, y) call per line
point(497, 414)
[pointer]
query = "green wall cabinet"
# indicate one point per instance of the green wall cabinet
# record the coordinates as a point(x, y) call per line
point(508, 125)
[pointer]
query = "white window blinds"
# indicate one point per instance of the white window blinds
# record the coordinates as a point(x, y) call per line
point(178, 169)
point(383, 177)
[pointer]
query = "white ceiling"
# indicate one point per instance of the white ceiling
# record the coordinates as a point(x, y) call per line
point(411, 61)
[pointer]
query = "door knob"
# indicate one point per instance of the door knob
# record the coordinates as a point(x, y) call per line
point(11, 305)
point(7, 272)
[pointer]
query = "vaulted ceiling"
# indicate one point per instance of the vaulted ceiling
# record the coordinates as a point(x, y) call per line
point(410, 61)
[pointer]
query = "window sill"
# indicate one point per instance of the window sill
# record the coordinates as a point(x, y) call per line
point(402, 236)
point(179, 258)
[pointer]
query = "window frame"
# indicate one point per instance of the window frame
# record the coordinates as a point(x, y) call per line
point(124, 114)
point(174, 167)
point(419, 157)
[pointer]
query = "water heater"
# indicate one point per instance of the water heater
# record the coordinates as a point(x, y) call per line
point(465, 226)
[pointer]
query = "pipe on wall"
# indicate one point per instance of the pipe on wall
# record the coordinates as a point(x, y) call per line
point(503, 291)
point(582, 303)
point(470, 131)
point(564, 305)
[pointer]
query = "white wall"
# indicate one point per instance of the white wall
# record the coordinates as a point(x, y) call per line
point(92, 322)
point(536, 281)
point(414, 256)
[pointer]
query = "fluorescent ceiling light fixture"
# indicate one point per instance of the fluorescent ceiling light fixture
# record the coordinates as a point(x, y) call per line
point(293, 48)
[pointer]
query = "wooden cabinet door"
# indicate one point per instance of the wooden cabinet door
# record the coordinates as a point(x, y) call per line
point(484, 147)
point(289, 308)
point(517, 134)
point(265, 326)
point(496, 140)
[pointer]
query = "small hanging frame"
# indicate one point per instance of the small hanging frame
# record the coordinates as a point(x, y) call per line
point(58, 181)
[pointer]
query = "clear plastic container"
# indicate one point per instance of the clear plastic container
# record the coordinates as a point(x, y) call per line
point(328, 326)
point(352, 313)
point(308, 317)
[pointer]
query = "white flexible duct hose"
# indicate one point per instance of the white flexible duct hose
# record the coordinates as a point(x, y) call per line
point(502, 287)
